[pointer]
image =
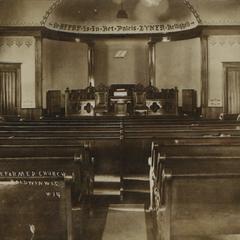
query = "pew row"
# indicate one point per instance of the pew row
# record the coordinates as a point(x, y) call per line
point(52, 160)
point(195, 196)
point(120, 129)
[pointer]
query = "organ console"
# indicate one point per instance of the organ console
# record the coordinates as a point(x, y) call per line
point(121, 100)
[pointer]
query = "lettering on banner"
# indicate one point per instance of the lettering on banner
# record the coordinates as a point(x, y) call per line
point(115, 29)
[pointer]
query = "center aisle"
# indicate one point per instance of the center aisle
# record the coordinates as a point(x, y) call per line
point(116, 221)
point(126, 221)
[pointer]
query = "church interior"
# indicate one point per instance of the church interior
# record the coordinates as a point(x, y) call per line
point(119, 119)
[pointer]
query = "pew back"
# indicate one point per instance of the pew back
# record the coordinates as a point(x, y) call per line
point(195, 190)
point(35, 208)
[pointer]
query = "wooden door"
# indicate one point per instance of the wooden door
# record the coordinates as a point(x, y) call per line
point(9, 89)
point(232, 88)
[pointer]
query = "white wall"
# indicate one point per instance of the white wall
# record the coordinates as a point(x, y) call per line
point(65, 64)
point(133, 68)
point(21, 50)
point(220, 49)
point(178, 64)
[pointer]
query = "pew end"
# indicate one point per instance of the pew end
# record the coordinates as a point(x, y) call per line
point(196, 196)
point(44, 205)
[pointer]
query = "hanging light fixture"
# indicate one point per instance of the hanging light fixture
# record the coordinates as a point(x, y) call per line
point(122, 13)
point(166, 39)
point(95, 10)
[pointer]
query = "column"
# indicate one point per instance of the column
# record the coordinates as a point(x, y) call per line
point(204, 75)
point(91, 79)
point(38, 71)
point(152, 63)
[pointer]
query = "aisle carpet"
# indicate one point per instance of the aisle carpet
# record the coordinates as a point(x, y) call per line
point(125, 222)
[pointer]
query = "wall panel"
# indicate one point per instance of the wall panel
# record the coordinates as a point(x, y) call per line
point(111, 68)
point(64, 65)
point(178, 64)
point(21, 50)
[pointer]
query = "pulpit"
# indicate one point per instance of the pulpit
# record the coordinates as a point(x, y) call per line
point(121, 99)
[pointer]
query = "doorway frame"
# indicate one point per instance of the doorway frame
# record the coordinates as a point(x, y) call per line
point(227, 65)
point(6, 66)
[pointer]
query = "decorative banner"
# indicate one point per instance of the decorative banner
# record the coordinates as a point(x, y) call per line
point(154, 28)
point(99, 17)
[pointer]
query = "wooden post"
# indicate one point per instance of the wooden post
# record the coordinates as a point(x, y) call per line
point(38, 71)
point(204, 75)
point(164, 213)
point(66, 104)
point(68, 184)
point(91, 79)
point(152, 63)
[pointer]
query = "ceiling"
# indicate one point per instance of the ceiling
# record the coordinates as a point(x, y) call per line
point(154, 15)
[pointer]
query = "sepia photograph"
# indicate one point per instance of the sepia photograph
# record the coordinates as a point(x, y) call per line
point(119, 119)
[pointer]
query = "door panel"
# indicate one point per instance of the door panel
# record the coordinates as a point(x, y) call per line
point(233, 90)
point(9, 89)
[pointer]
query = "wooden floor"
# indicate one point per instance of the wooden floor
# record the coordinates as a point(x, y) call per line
point(104, 220)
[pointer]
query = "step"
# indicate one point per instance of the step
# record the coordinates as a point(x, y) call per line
point(107, 185)
point(107, 178)
point(138, 177)
point(106, 192)
point(127, 207)
point(136, 197)
point(135, 185)
point(137, 190)
point(99, 201)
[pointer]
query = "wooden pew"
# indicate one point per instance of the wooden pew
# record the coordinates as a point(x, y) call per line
point(36, 208)
point(123, 140)
point(128, 132)
point(195, 196)
point(128, 121)
point(126, 140)
point(50, 160)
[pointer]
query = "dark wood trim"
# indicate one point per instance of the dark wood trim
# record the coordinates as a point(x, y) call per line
point(204, 74)
point(10, 66)
point(21, 31)
point(84, 37)
point(38, 72)
point(165, 212)
point(68, 200)
point(19, 90)
point(37, 31)
point(220, 30)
